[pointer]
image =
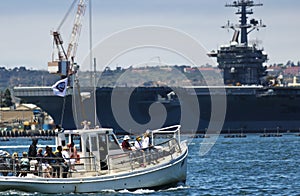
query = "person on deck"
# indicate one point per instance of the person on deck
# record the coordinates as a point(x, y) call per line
point(24, 165)
point(61, 163)
point(68, 160)
point(32, 151)
point(125, 144)
point(148, 148)
point(139, 153)
point(146, 140)
point(138, 143)
point(51, 159)
point(16, 163)
point(43, 164)
point(73, 152)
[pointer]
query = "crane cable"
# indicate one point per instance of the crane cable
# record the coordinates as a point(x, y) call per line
point(66, 15)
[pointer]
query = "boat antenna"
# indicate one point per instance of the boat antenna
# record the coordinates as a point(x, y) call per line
point(91, 38)
point(92, 63)
point(95, 108)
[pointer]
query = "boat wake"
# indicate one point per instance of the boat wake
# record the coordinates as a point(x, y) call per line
point(148, 191)
point(138, 191)
point(181, 187)
point(17, 193)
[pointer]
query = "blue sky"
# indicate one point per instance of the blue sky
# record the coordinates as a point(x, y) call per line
point(25, 27)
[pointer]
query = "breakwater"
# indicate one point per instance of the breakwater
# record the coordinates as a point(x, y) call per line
point(27, 133)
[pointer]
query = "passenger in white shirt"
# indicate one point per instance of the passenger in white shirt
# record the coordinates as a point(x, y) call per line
point(66, 156)
point(139, 153)
point(146, 139)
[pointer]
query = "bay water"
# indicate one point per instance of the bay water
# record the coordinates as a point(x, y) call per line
point(252, 165)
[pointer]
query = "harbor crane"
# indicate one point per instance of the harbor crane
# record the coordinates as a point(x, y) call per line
point(65, 64)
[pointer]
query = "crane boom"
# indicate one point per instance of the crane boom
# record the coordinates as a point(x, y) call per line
point(63, 65)
point(76, 29)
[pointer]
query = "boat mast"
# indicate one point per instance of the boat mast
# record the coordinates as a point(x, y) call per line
point(95, 88)
point(92, 62)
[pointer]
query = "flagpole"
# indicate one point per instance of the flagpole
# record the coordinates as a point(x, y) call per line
point(62, 113)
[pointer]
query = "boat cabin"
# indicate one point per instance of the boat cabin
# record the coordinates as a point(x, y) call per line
point(93, 146)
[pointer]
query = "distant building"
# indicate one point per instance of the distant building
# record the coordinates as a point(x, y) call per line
point(291, 71)
point(22, 112)
point(26, 107)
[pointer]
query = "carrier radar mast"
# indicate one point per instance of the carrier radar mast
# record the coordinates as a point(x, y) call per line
point(243, 11)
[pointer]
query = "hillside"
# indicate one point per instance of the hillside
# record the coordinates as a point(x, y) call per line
point(20, 76)
point(142, 76)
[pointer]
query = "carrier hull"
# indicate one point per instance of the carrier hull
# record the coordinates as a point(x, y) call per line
point(248, 109)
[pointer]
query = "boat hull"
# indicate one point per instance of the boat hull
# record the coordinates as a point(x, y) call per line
point(160, 176)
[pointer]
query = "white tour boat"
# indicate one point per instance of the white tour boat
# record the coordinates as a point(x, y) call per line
point(103, 165)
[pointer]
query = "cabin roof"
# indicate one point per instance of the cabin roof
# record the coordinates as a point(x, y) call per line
point(85, 131)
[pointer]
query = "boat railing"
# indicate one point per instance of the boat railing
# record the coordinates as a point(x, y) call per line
point(121, 162)
point(136, 159)
point(48, 167)
point(164, 134)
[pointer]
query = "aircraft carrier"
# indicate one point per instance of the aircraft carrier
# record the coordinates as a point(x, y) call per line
point(253, 103)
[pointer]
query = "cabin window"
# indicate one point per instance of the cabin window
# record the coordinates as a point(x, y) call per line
point(113, 143)
point(102, 146)
point(94, 143)
point(75, 139)
point(102, 142)
point(87, 144)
